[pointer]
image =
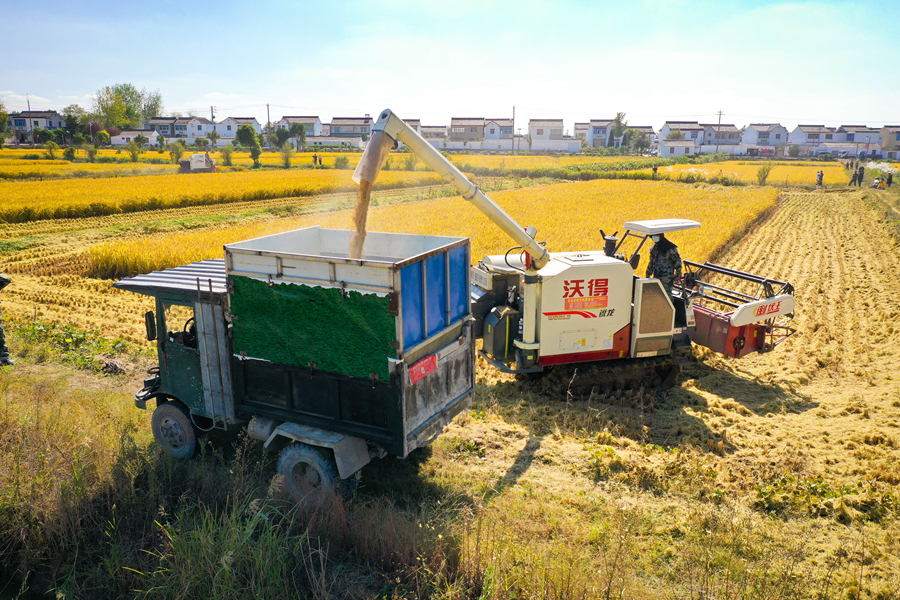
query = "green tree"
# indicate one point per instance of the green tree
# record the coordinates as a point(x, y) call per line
point(102, 137)
point(122, 105)
point(42, 135)
point(214, 137)
point(255, 152)
point(227, 153)
point(134, 150)
point(76, 118)
point(141, 140)
point(298, 130)
point(794, 151)
point(640, 143)
point(52, 149)
point(160, 141)
point(69, 153)
point(282, 135)
point(675, 134)
point(90, 151)
point(5, 129)
point(618, 128)
point(246, 135)
point(176, 151)
point(762, 173)
point(341, 162)
point(287, 153)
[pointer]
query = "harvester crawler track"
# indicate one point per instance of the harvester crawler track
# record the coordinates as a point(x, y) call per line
point(631, 383)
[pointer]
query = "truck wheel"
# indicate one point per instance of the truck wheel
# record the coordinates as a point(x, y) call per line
point(173, 430)
point(309, 474)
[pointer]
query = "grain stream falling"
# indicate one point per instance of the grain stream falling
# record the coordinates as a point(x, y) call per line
point(364, 195)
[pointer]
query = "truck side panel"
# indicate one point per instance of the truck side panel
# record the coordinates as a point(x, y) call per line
point(332, 401)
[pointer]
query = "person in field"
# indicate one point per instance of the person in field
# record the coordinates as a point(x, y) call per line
point(665, 261)
point(853, 178)
point(4, 350)
point(820, 177)
point(890, 180)
point(860, 173)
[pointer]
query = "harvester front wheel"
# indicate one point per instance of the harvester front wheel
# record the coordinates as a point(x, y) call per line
point(173, 430)
point(310, 474)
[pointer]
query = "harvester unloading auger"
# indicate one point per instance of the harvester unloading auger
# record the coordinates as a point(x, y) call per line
point(584, 316)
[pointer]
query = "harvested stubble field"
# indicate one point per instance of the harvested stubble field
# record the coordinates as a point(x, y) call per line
point(770, 477)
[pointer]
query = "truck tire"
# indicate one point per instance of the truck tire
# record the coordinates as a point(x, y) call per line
point(310, 474)
point(173, 430)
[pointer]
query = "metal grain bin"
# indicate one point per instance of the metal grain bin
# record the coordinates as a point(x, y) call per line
point(334, 342)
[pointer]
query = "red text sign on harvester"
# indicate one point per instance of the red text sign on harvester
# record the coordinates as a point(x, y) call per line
point(762, 310)
point(579, 295)
point(767, 309)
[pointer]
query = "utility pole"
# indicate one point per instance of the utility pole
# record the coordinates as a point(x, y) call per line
point(268, 118)
point(212, 114)
point(512, 142)
point(718, 127)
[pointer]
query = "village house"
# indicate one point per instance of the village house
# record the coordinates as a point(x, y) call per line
point(311, 125)
point(464, 129)
point(22, 124)
point(351, 127)
point(434, 132)
point(131, 135)
point(764, 134)
point(599, 133)
point(498, 134)
point(890, 134)
point(227, 128)
point(162, 126)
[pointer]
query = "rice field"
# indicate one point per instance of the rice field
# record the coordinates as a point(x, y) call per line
point(66, 198)
point(533, 161)
point(568, 217)
point(786, 174)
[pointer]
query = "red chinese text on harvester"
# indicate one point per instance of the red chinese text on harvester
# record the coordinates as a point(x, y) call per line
point(579, 295)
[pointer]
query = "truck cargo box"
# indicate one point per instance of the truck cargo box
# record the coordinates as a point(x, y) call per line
point(379, 347)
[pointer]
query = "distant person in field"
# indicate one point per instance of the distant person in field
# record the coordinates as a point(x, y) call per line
point(4, 350)
point(890, 180)
point(315, 159)
point(665, 261)
point(861, 172)
point(853, 178)
point(820, 177)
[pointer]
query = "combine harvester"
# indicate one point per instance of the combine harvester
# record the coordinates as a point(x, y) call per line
point(334, 361)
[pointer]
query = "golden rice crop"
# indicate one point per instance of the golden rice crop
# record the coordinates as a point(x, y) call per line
point(805, 174)
point(22, 169)
point(528, 162)
point(31, 200)
point(568, 217)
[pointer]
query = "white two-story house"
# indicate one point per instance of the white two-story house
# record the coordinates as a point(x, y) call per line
point(767, 135)
point(23, 124)
point(227, 128)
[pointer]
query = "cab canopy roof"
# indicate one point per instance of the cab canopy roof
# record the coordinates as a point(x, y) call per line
point(187, 282)
point(655, 226)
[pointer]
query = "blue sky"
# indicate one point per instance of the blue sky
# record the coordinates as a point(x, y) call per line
point(757, 61)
